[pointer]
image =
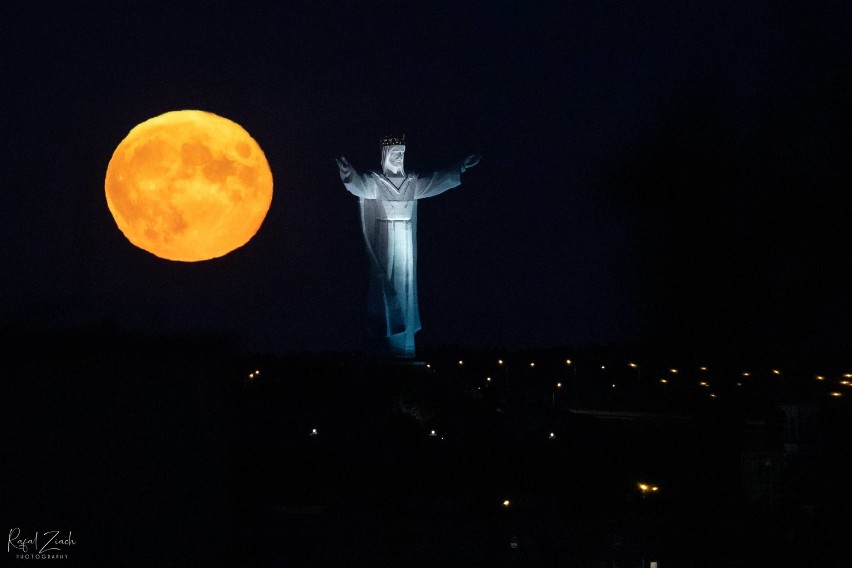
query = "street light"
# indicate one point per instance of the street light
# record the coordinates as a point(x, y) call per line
point(571, 363)
point(638, 376)
point(505, 366)
point(647, 488)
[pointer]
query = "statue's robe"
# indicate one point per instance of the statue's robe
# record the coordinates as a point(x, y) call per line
point(389, 223)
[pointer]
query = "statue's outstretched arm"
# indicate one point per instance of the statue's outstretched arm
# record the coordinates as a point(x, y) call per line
point(439, 182)
point(345, 169)
point(355, 182)
point(469, 162)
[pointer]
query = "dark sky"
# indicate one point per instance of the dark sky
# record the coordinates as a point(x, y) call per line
point(665, 172)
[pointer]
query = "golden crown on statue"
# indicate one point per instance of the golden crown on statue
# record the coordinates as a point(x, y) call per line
point(393, 140)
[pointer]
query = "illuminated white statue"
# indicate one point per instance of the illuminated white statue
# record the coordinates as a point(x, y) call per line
point(388, 203)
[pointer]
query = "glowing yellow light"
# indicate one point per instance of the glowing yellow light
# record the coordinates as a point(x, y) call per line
point(844, 382)
point(461, 362)
point(848, 375)
point(836, 394)
point(664, 381)
point(675, 371)
point(613, 386)
point(776, 372)
point(499, 361)
point(634, 365)
point(559, 385)
point(704, 384)
point(820, 378)
point(643, 487)
point(567, 361)
point(603, 367)
point(746, 374)
point(703, 368)
point(712, 395)
point(506, 503)
point(532, 364)
point(655, 488)
point(188, 186)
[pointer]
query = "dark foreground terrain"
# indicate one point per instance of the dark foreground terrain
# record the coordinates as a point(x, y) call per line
point(176, 452)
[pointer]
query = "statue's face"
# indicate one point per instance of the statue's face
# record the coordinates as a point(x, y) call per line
point(395, 158)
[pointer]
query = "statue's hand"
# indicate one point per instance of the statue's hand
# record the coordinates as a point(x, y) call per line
point(345, 169)
point(469, 162)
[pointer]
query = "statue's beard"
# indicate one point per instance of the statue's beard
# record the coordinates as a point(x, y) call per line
point(392, 170)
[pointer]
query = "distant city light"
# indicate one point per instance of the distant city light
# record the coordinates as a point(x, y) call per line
point(613, 385)
point(820, 378)
point(633, 365)
point(664, 381)
point(461, 362)
point(603, 367)
point(848, 375)
point(675, 371)
point(704, 384)
point(499, 361)
point(845, 382)
point(712, 395)
point(551, 436)
point(488, 379)
point(739, 384)
point(433, 433)
point(532, 364)
point(702, 368)
point(506, 503)
point(314, 432)
point(746, 374)
point(567, 361)
point(776, 372)
point(559, 385)
point(836, 394)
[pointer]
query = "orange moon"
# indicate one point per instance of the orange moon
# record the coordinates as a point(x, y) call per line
point(188, 185)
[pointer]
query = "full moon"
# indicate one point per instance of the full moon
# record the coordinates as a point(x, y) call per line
point(188, 185)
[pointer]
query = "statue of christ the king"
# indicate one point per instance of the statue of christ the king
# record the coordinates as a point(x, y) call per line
point(388, 202)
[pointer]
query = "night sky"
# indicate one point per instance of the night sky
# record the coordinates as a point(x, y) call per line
point(668, 173)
